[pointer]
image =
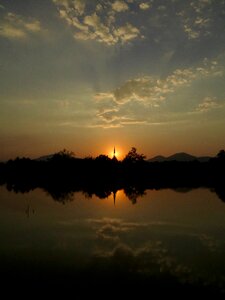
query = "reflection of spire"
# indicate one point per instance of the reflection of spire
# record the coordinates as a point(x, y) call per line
point(29, 210)
point(114, 198)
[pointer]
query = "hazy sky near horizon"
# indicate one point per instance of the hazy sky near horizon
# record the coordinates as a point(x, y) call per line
point(87, 75)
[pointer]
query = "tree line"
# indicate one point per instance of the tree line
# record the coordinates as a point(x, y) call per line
point(63, 174)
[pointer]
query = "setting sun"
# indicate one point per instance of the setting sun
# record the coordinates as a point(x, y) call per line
point(117, 152)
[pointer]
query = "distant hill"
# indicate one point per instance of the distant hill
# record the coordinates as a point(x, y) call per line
point(182, 156)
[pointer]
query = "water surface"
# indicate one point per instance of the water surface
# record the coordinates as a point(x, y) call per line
point(165, 235)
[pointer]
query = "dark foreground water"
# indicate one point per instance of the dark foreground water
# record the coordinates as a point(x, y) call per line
point(167, 242)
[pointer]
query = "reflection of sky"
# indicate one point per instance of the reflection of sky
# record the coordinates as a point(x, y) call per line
point(72, 69)
point(165, 231)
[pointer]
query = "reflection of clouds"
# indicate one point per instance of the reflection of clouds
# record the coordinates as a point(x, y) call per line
point(150, 249)
point(134, 247)
point(157, 254)
point(208, 241)
point(108, 239)
point(122, 250)
point(110, 229)
point(150, 257)
point(124, 226)
point(117, 224)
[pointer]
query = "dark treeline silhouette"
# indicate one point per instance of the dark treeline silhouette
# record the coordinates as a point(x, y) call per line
point(63, 174)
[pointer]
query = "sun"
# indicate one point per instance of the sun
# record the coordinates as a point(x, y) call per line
point(115, 152)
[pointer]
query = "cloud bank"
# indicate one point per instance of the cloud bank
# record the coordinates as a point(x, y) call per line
point(135, 101)
point(122, 21)
point(14, 26)
point(98, 23)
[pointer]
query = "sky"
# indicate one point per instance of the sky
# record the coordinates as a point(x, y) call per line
point(89, 75)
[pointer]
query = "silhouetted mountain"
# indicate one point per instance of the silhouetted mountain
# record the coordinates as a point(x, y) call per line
point(182, 156)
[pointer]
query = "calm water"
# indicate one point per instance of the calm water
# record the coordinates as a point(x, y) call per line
point(176, 234)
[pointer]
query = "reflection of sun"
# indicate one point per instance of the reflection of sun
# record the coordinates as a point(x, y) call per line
point(117, 198)
point(120, 194)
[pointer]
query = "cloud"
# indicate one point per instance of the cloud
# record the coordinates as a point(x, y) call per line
point(144, 5)
point(152, 90)
point(14, 26)
point(208, 104)
point(98, 23)
point(161, 8)
point(126, 33)
point(209, 242)
point(119, 6)
point(197, 18)
point(96, 30)
point(79, 6)
point(135, 100)
point(192, 34)
point(194, 18)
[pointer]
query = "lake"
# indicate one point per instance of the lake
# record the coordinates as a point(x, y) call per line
point(164, 238)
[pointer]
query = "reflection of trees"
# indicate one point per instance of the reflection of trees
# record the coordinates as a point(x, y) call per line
point(65, 194)
point(220, 191)
point(19, 187)
point(61, 196)
point(101, 193)
point(133, 192)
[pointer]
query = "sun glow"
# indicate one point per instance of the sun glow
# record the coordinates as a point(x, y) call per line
point(118, 153)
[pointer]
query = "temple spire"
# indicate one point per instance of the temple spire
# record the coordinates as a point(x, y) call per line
point(114, 154)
